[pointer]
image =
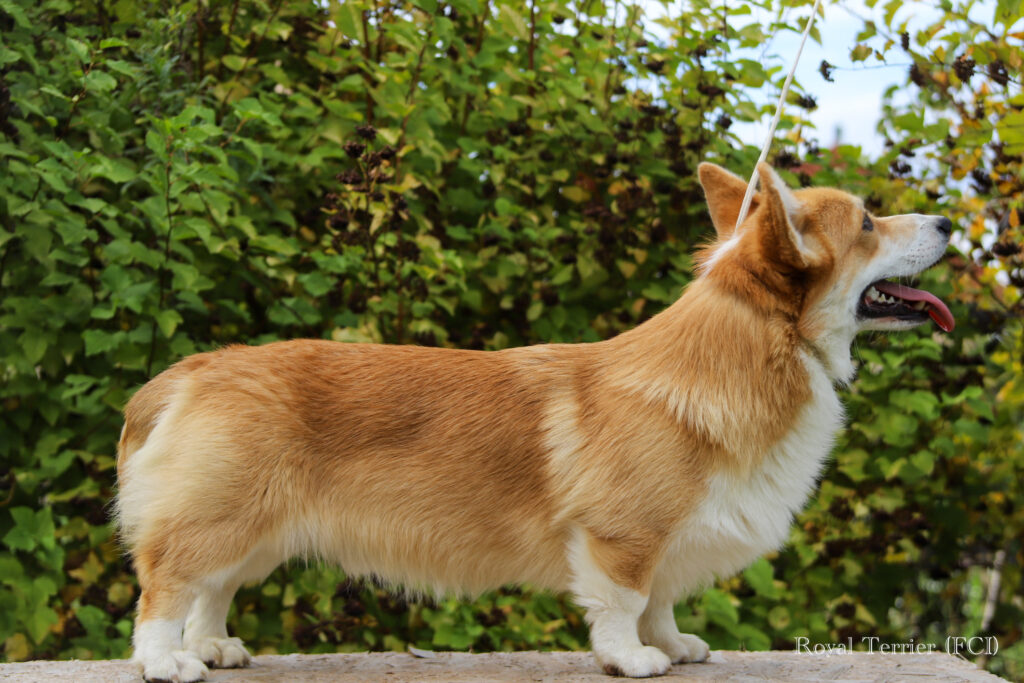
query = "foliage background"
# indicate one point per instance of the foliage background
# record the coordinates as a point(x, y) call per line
point(178, 176)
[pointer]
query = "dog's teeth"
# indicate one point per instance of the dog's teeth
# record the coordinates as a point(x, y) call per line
point(873, 294)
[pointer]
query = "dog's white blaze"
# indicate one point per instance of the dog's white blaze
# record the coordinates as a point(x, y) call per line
point(745, 517)
point(904, 255)
point(908, 254)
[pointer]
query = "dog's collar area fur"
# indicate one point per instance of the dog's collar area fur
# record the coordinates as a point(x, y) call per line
point(835, 357)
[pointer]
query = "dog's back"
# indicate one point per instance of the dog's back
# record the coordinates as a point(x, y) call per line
point(423, 466)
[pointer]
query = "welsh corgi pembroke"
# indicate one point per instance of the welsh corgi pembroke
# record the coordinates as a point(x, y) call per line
point(629, 472)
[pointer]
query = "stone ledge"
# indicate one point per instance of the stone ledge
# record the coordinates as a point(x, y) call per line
point(571, 667)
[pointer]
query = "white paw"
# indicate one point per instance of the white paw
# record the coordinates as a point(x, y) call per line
point(222, 653)
point(181, 666)
point(634, 662)
point(683, 647)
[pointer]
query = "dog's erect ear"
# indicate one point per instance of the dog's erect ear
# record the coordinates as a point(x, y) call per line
point(724, 192)
point(781, 226)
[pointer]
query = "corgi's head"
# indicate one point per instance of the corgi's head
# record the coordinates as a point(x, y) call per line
point(818, 256)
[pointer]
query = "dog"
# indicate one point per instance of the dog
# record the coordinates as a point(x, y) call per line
point(630, 472)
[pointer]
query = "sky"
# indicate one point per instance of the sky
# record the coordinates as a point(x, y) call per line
point(851, 105)
point(848, 107)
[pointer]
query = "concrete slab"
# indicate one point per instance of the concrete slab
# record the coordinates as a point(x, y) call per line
point(566, 667)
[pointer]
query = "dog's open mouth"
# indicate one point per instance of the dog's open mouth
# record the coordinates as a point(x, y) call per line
point(889, 300)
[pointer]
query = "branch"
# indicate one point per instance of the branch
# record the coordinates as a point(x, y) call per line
point(410, 96)
point(167, 254)
point(368, 56)
point(467, 101)
point(248, 55)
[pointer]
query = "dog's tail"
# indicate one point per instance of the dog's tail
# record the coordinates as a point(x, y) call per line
point(148, 406)
point(152, 404)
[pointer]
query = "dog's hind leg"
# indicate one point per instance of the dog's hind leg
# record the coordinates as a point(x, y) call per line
point(658, 628)
point(183, 564)
point(205, 630)
point(162, 609)
point(611, 580)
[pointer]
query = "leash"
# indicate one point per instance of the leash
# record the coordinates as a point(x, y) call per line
point(749, 196)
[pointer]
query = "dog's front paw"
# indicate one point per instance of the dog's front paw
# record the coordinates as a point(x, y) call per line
point(181, 666)
point(683, 647)
point(221, 653)
point(635, 662)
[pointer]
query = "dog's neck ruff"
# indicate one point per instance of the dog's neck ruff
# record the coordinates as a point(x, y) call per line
point(834, 356)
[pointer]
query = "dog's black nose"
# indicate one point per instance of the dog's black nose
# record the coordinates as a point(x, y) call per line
point(945, 226)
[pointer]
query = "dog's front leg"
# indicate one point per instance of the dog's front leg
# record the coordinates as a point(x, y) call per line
point(611, 580)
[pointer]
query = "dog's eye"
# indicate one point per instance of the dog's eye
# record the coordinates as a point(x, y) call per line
point(867, 225)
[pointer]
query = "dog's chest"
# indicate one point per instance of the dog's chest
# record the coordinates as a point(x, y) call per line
point(744, 517)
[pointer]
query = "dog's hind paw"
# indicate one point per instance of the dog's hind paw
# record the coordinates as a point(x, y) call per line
point(635, 662)
point(181, 666)
point(221, 653)
point(684, 647)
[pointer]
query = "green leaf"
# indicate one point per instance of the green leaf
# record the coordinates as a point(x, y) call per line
point(860, 52)
point(31, 528)
point(233, 62)
point(51, 171)
point(168, 320)
point(514, 21)
point(33, 343)
point(115, 170)
point(316, 283)
point(719, 608)
point(760, 577)
point(156, 143)
point(575, 193)
point(274, 244)
point(8, 56)
point(79, 49)
point(15, 11)
point(852, 463)
point(100, 82)
point(1011, 132)
point(99, 341)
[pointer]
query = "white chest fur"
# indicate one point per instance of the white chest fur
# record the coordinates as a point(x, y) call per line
point(744, 517)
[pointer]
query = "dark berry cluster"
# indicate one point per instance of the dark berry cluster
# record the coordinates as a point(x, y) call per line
point(785, 159)
point(898, 167)
point(1006, 249)
point(354, 149)
point(963, 67)
point(348, 209)
point(807, 102)
point(997, 72)
point(826, 69)
point(916, 75)
point(710, 90)
point(655, 66)
point(982, 180)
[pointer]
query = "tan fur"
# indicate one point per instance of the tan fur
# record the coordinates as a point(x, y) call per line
point(450, 470)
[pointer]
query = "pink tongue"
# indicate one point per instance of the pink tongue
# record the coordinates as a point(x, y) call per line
point(936, 309)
